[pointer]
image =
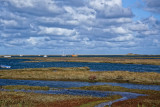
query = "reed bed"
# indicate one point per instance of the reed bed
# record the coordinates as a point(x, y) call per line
point(81, 74)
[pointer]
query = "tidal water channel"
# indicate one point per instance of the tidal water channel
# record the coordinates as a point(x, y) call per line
point(20, 64)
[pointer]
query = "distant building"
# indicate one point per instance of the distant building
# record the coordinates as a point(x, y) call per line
point(74, 55)
point(7, 56)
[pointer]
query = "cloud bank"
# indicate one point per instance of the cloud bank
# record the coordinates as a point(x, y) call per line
point(83, 26)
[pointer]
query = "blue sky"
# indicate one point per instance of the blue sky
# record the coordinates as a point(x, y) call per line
point(79, 26)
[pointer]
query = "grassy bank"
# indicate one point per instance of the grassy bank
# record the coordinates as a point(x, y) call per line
point(122, 60)
point(117, 88)
point(21, 99)
point(81, 74)
point(151, 100)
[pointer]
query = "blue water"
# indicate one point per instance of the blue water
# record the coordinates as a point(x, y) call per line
point(68, 84)
point(19, 64)
point(65, 84)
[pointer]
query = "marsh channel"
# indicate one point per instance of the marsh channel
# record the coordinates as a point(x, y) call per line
point(60, 87)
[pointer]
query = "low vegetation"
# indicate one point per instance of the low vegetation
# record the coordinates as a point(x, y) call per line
point(151, 100)
point(22, 99)
point(117, 88)
point(107, 99)
point(81, 74)
point(143, 101)
point(122, 60)
point(24, 87)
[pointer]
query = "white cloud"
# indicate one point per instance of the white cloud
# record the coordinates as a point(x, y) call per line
point(101, 4)
point(8, 22)
point(38, 5)
point(84, 24)
point(117, 30)
point(37, 40)
point(83, 15)
point(56, 31)
point(138, 26)
point(128, 37)
point(21, 3)
point(110, 8)
point(150, 32)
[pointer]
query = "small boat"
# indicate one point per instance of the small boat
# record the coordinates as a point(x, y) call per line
point(20, 55)
point(45, 56)
point(5, 66)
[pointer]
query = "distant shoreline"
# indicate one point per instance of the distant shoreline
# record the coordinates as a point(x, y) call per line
point(122, 60)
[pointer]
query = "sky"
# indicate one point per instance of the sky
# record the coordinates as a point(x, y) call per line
point(33, 27)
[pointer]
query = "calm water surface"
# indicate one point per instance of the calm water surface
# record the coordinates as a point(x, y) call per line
point(68, 84)
point(19, 64)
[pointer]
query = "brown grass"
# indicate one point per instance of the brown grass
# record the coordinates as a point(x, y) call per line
point(21, 99)
point(81, 74)
point(117, 88)
point(151, 100)
point(125, 60)
point(24, 87)
point(142, 101)
point(32, 99)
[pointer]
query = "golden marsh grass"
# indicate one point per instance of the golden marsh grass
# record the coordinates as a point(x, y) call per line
point(22, 99)
point(15, 99)
point(81, 74)
point(121, 60)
